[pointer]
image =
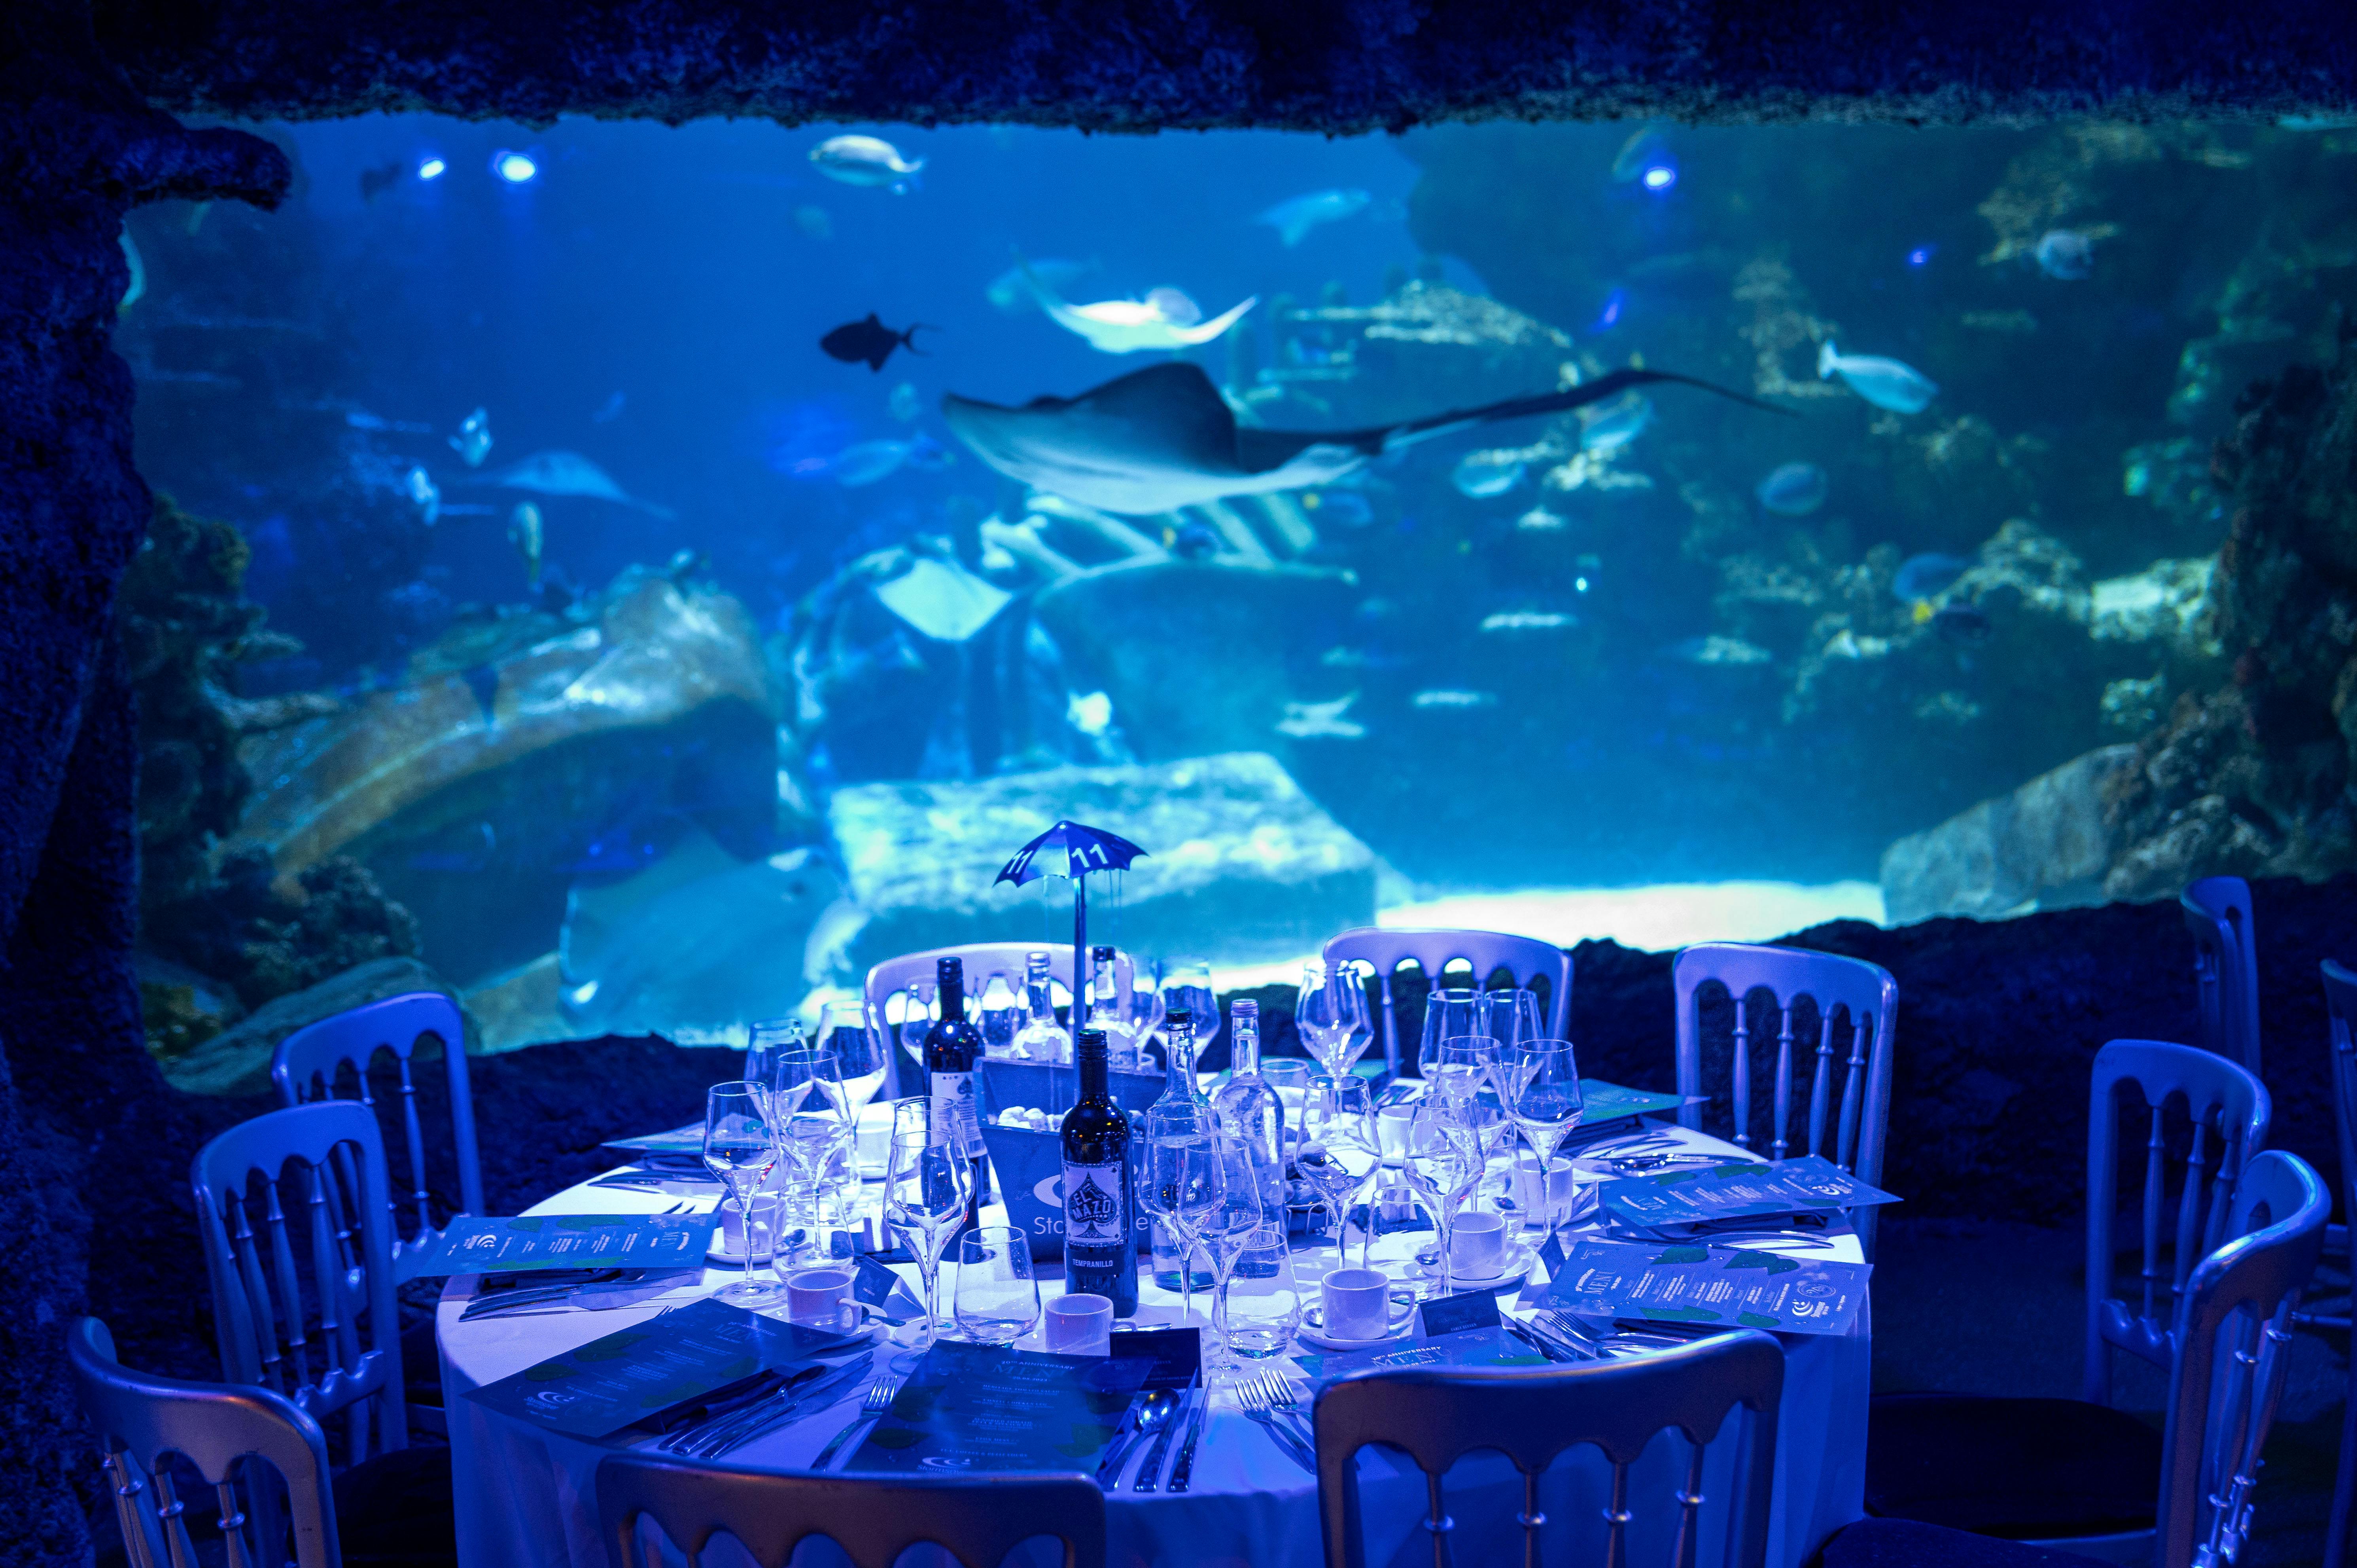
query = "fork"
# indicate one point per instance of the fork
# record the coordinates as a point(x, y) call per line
point(1260, 1403)
point(1284, 1401)
point(787, 1405)
point(880, 1395)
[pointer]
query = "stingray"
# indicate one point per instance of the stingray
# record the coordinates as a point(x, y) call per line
point(569, 473)
point(1162, 438)
point(1165, 318)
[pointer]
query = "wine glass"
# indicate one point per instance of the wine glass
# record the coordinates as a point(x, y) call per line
point(795, 1072)
point(1450, 1014)
point(1187, 982)
point(860, 1056)
point(1511, 1018)
point(1182, 1182)
point(1538, 1083)
point(1242, 1216)
point(1331, 1014)
point(1457, 1070)
point(926, 1186)
point(1442, 1163)
point(1341, 1153)
point(740, 1149)
point(816, 1149)
point(763, 1041)
point(997, 1296)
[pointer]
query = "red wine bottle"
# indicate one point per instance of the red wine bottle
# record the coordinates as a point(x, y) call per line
point(953, 1054)
point(1100, 1249)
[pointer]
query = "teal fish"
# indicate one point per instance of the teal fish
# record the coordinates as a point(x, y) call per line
point(1886, 383)
point(1294, 218)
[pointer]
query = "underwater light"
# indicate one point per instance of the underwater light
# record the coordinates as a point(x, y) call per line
point(513, 168)
point(431, 167)
point(1660, 176)
point(1920, 255)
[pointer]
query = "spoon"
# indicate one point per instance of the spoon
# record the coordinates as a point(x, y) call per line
point(1153, 1415)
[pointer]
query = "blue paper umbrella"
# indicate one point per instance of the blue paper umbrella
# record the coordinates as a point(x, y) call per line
point(1072, 849)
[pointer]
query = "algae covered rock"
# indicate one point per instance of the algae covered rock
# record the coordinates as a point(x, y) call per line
point(235, 1062)
point(2045, 845)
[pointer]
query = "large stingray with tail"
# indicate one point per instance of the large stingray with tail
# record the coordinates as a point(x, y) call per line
point(1161, 438)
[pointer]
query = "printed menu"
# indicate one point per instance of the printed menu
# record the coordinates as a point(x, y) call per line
point(988, 1408)
point(1740, 1288)
point(1694, 1194)
point(1601, 1101)
point(1468, 1348)
point(637, 1374)
point(478, 1246)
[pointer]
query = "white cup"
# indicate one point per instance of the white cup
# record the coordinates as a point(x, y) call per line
point(1390, 1129)
point(818, 1297)
point(1477, 1245)
point(1562, 1185)
point(873, 1141)
point(1079, 1325)
point(1358, 1302)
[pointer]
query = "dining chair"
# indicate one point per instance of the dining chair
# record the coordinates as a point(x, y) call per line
point(1438, 1415)
point(978, 1519)
point(2083, 1478)
point(2225, 966)
point(314, 1320)
point(395, 1508)
point(1849, 1129)
point(2340, 1014)
point(1526, 962)
point(913, 974)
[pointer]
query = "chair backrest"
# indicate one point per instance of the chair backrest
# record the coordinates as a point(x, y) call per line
point(142, 1420)
point(2234, 1333)
point(2225, 966)
point(1525, 959)
point(316, 1321)
point(1438, 1415)
point(2229, 1110)
point(978, 1519)
point(2340, 1019)
point(307, 1063)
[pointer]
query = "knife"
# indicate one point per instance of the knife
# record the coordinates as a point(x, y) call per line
point(1183, 1468)
point(1149, 1474)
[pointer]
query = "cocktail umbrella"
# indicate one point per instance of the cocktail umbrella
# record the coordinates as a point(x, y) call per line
point(1070, 849)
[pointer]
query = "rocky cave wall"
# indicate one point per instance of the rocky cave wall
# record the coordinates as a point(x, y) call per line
point(89, 1135)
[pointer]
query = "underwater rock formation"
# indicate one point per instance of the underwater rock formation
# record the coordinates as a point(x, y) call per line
point(2045, 846)
point(235, 1062)
point(1241, 864)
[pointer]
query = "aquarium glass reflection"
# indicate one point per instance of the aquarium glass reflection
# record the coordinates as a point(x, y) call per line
point(695, 559)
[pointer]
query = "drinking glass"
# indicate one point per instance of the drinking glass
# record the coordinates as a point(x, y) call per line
point(1241, 1219)
point(1460, 1068)
point(1442, 1163)
point(1513, 1017)
point(1187, 982)
point(796, 1071)
point(1450, 1014)
point(925, 1189)
point(997, 1297)
point(1340, 1153)
point(817, 1149)
point(740, 1148)
point(763, 1041)
point(1331, 1014)
point(860, 1057)
point(1182, 1182)
point(1538, 1084)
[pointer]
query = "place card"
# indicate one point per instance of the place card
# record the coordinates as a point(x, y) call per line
point(1177, 1354)
point(983, 1408)
point(1694, 1194)
point(879, 1287)
point(1470, 1347)
point(641, 1372)
point(1453, 1314)
point(1734, 1287)
point(480, 1246)
point(1601, 1101)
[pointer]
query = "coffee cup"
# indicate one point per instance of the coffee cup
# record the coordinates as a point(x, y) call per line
point(1391, 1125)
point(1477, 1245)
point(818, 1298)
point(1358, 1302)
point(1078, 1325)
point(1562, 1185)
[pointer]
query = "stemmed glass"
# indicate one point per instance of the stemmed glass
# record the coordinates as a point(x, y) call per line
point(740, 1149)
point(763, 1041)
point(1511, 1018)
point(1538, 1083)
point(1442, 1161)
point(860, 1056)
point(1183, 1182)
point(1331, 1014)
point(1187, 982)
point(817, 1148)
point(1450, 1014)
point(1340, 1152)
point(1242, 1212)
point(794, 1072)
point(1460, 1068)
point(997, 1296)
point(926, 1186)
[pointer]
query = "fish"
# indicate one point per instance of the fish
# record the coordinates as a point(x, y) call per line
point(559, 473)
point(473, 442)
point(1528, 620)
point(610, 410)
point(866, 462)
point(1162, 438)
point(1090, 715)
point(1538, 520)
point(1963, 624)
point(524, 533)
point(1348, 508)
point(905, 405)
point(867, 161)
point(1127, 326)
point(813, 222)
point(425, 494)
point(2065, 253)
point(1017, 289)
point(375, 181)
point(1314, 720)
point(1793, 490)
point(870, 340)
point(1609, 429)
point(1886, 383)
point(1295, 218)
point(1717, 650)
point(1925, 576)
point(1174, 305)
point(1481, 475)
point(1457, 700)
point(942, 599)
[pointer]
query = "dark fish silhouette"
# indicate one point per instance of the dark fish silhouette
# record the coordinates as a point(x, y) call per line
point(870, 340)
point(376, 180)
point(1966, 625)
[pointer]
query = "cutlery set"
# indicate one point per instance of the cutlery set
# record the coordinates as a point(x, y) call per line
point(762, 1405)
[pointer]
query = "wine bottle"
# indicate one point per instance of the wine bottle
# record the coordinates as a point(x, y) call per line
point(1100, 1257)
point(1250, 1110)
point(952, 1053)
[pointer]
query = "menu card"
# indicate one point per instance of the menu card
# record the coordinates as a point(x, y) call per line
point(1735, 1286)
point(637, 1374)
point(476, 1246)
point(1694, 1194)
point(1601, 1101)
point(990, 1408)
point(1470, 1348)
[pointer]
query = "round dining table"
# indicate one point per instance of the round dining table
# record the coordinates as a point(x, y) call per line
point(526, 1497)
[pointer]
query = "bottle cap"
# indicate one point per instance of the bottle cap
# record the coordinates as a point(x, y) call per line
point(1102, 953)
point(1091, 1040)
point(1245, 1007)
point(1180, 1018)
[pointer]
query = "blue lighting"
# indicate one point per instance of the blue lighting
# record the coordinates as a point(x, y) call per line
point(431, 167)
point(1921, 255)
point(513, 168)
point(1660, 176)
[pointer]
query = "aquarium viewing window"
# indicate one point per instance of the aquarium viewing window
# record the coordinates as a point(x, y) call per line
point(663, 617)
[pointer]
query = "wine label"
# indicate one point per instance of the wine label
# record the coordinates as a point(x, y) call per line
point(953, 1121)
point(1092, 1205)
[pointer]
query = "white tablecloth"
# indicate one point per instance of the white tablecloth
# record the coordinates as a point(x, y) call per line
point(526, 1498)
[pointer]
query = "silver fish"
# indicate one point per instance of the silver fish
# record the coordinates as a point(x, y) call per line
point(425, 493)
point(1295, 218)
point(1481, 475)
point(1886, 383)
point(868, 161)
point(1615, 427)
point(1308, 721)
point(1448, 700)
point(524, 533)
point(2066, 255)
point(473, 442)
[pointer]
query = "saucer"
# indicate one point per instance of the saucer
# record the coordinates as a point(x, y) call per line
point(1519, 1260)
point(1403, 1324)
